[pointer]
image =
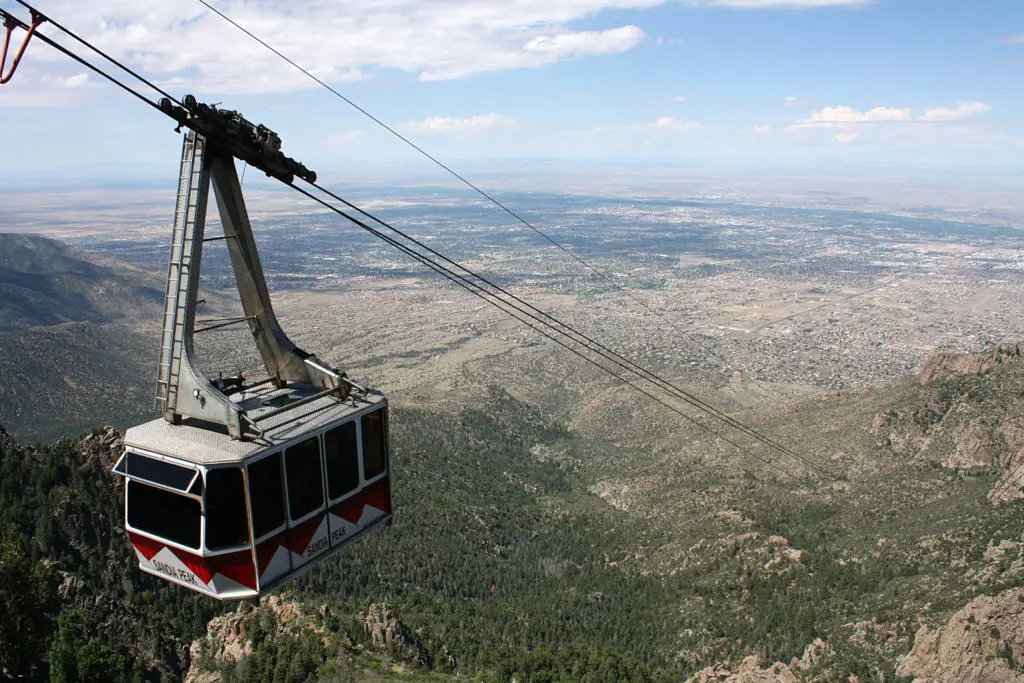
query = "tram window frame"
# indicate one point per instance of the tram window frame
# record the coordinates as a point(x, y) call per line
point(166, 508)
point(230, 530)
point(302, 486)
point(368, 474)
point(261, 501)
point(335, 466)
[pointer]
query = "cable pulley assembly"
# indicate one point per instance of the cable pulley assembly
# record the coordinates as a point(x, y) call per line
point(254, 144)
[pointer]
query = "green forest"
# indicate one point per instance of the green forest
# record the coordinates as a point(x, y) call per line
point(500, 565)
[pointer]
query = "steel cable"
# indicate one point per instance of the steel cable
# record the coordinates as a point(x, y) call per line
point(594, 269)
point(489, 296)
point(609, 354)
point(516, 312)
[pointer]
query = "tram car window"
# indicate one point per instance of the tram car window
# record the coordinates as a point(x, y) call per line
point(163, 513)
point(266, 491)
point(305, 478)
point(374, 462)
point(226, 523)
point(342, 455)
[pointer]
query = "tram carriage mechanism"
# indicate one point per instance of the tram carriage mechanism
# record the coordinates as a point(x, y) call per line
point(243, 484)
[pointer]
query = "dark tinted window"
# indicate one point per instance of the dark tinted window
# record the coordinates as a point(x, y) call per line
point(155, 471)
point(266, 493)
point(342, 460)
point(164, 514)
point(373, 444)
point(226, 522)
point(305, 482)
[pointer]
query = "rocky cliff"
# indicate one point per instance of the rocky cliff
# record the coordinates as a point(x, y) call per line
point(966, 414)
point(983, 643)
point(800, 670)
point(944, 365)
point(281, 632)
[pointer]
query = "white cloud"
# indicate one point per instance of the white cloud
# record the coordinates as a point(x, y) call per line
point(794, 101)
point(832, 117)
point(762, 130)
point(843, 117)
point(581, 43)
point(1016, 40)
point(32, 88)
point(184, 45)
point(892, 125)
point(663, 125)
point(76, 81)
point(962, 110)
point(540, 50)
point(668, 123)
point(451, 124)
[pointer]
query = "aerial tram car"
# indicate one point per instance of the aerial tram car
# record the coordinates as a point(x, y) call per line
point(241, 485)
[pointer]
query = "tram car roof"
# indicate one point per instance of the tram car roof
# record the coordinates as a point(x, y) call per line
point(208, 444)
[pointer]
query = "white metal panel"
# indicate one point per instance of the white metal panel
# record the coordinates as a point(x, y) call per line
point(204, 443)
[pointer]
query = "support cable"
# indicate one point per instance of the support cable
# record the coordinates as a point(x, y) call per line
point(608, 353)
point(477, 289)
point(516, 313)
point(100, 52)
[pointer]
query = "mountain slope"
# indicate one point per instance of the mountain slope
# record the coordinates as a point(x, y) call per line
point(523, 550)
point(493, 555)
point(79, 338)
point(64, 379)
point(46, 282)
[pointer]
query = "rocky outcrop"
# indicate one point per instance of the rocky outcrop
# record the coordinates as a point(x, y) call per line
point(750, 671)
point(976, 445)
point(962, 421)
point(1009, 485)
point(107, 444)
point(230, 637)
point(389, 634)
point(1002, 561)
point(983, 642)
point(944, 365)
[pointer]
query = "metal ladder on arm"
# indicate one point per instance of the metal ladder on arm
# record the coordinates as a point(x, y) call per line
point(182, 260)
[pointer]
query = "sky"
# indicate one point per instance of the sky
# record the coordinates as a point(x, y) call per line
point(769, 82)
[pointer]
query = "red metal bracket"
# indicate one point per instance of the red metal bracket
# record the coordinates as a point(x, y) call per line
point(10, 23)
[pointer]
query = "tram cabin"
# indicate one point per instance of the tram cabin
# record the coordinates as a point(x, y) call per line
point(233, 518)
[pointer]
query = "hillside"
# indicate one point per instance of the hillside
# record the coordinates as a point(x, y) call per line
point(46, 282)
point(550, 525)
point(65, 379)
point(79, 338)
point(523, 550)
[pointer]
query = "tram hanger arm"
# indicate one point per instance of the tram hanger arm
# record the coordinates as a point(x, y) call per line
point(10, 23)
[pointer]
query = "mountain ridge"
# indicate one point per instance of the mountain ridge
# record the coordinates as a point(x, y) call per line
point(45, 282)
